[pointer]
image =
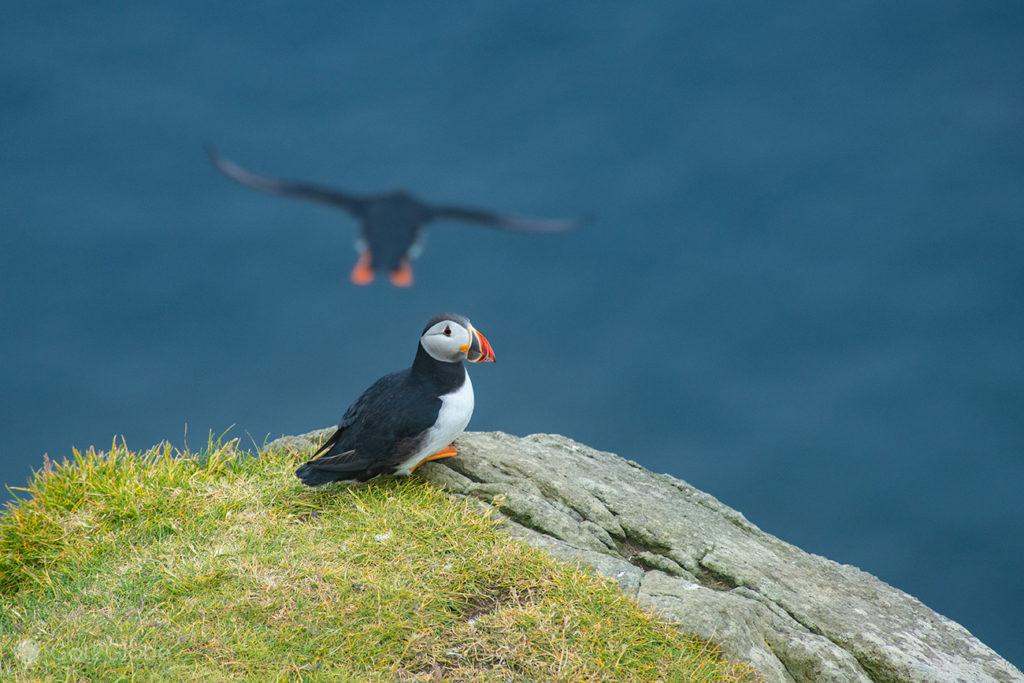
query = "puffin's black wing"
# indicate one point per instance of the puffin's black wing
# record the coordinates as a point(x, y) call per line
point(496, 220)
point(378, 432)
point(353, 204)
point(351, 415)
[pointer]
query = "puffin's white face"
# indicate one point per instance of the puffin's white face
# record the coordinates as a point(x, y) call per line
point(452, 342)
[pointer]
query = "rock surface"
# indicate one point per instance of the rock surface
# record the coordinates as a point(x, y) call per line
point(794, 616)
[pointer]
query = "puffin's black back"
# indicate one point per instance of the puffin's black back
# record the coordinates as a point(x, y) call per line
point(386, 424)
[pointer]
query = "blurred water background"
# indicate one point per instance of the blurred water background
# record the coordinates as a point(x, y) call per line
point(801, 292)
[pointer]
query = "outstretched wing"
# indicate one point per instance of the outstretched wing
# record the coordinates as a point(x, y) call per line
point(503, 222)
point(352, 203)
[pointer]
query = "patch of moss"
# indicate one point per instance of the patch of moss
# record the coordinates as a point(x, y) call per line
point(220, 565)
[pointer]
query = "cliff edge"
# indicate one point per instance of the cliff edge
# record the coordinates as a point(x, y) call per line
point(793, 615)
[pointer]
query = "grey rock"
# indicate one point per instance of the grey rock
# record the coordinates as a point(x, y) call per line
point(794, 616)
point(749, 630)
point(625, 574)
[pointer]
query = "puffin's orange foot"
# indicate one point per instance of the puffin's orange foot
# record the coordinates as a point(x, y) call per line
point(403, 276)
point(362, 274)
point(448, 452)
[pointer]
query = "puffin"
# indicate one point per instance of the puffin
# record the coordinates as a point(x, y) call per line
point(391, 224)
point(409, 417)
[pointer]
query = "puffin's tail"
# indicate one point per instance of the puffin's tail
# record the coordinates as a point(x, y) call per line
point(330, 468)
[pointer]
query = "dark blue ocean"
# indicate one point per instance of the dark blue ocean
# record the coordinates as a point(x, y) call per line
point(801, 290)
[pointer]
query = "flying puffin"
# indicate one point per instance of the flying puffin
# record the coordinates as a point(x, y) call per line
point(409, 417)
point(390, 224)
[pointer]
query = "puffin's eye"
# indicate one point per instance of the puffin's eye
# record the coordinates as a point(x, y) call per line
point(447, 331)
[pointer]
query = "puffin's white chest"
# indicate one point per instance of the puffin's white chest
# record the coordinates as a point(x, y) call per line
point(452, 419)
point(456, 410)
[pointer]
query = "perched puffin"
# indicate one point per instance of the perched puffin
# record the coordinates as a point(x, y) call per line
point(390, 224)
point(409, 417)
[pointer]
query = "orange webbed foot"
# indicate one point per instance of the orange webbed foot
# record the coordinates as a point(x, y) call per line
point(448, 452)
point(362, 273)
point(403, 276)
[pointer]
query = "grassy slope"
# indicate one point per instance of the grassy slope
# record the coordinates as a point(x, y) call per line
point(164, 565)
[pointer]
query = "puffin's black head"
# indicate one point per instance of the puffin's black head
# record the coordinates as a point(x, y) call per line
point(451, 338)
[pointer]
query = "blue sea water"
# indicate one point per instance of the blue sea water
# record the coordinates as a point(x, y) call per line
point(801, 290)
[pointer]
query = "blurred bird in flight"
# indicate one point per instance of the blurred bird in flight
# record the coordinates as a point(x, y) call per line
point(391, 224)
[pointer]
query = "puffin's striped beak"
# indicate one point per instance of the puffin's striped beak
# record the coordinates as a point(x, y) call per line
point(480, 350)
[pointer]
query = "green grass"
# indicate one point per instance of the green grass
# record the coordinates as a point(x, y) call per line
point(165, 565)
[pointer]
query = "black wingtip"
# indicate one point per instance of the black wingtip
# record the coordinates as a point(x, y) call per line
point(214, 156)
point(581, 221)
point(566, 224)
point(556, 224)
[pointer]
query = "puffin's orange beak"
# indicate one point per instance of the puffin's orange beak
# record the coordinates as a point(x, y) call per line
point(480, 350)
